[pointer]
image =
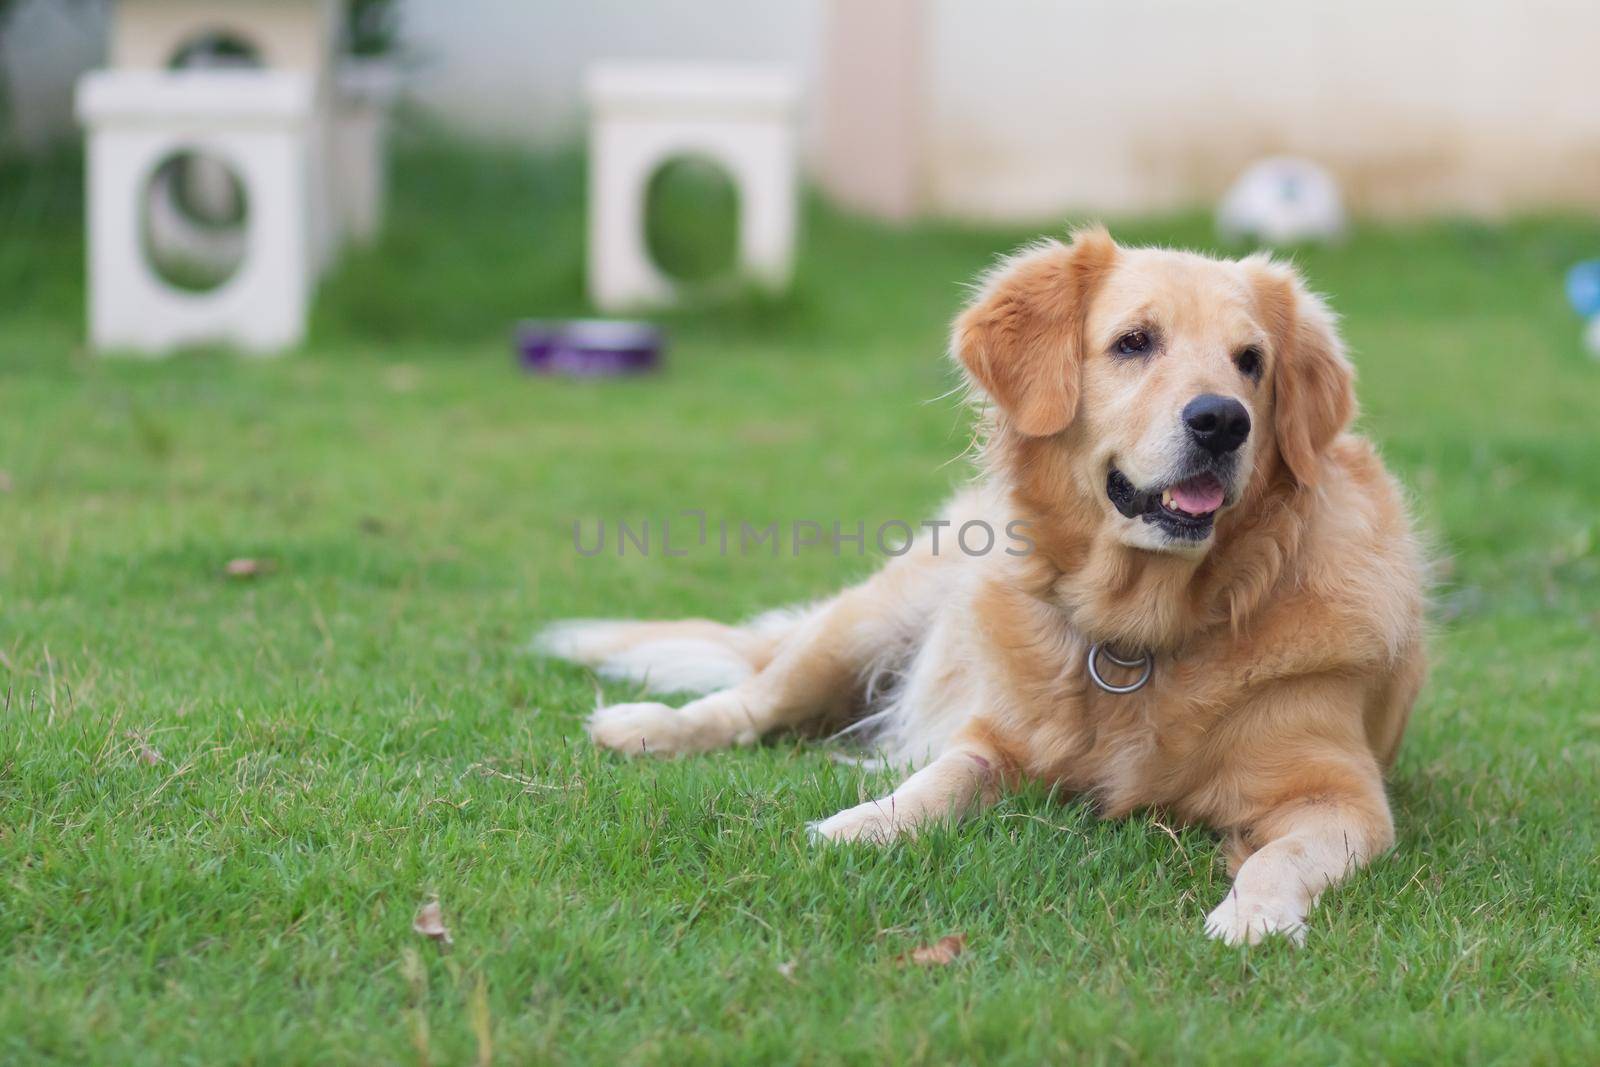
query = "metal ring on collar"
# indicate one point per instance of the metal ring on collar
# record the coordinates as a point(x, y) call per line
point(1147, 661)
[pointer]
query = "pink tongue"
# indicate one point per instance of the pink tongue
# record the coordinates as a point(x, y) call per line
point(1198, 496)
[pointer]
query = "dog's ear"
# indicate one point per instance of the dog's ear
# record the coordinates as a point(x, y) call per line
point(1313, 383)
point(1021, 341)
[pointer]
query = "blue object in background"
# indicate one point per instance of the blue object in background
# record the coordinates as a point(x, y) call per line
point(1583, 288)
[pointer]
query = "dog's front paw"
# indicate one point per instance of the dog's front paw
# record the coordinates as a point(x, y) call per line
point(639, 729)
point(872, 822)
point(1246, 920)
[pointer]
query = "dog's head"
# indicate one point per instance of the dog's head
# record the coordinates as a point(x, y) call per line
point(1166, 387)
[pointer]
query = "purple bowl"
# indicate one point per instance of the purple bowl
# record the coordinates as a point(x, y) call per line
point(589, 348)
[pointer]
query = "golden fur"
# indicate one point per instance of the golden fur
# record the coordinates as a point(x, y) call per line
point(1288, 644)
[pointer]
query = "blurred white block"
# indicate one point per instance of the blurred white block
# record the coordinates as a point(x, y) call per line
point(261, 124)
point(283, 34)
point(644, 115)
point(1282, 200)
point(1591, 337)
point(364, 95)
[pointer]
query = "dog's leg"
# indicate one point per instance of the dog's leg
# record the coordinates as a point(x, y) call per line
point(961, 781)
point(1310, 844)
point(816, 671)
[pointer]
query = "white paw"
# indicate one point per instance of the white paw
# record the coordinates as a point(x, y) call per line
point(640, 729)
point(1248, 919)
point(872, 822)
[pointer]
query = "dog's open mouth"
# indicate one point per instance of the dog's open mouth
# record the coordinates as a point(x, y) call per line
point(1184, 510)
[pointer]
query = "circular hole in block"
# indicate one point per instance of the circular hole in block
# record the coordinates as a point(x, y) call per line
point(216, 50)
point(691, 212)
point(195, 213)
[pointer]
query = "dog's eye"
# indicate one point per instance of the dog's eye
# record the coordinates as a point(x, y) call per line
point(1249, 362)
point(1133, 343)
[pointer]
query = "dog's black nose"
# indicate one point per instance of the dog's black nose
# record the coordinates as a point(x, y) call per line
point(1218, 424)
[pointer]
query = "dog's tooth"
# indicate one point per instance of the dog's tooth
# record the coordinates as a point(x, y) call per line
point(1166, 497)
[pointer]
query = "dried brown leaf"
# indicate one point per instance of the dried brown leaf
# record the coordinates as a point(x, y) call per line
point(430, 924)
point(6, 484)
point(245, 567)
point(402, 377)
point(939, 954)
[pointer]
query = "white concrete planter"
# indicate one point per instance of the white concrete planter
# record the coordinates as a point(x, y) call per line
point(260, 124)
point(642, 116)
point(306, 148)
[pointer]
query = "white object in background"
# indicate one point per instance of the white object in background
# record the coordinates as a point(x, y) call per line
point(261, 124)
point(283, 35)
point(642, 116)
point(1591, 337)
point(364, 93)
point(1282, 200)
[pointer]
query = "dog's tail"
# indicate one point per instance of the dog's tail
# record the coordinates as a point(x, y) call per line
point(678, 656)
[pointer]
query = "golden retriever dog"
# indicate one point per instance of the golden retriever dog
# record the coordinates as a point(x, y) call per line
point(1220, 616)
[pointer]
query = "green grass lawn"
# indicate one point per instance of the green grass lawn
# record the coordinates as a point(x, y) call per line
point(223, 800)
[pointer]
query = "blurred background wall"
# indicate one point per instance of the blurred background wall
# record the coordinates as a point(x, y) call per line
point(514, 68)
point(1026, 109)
point(44, 46)
point(1127, 105)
